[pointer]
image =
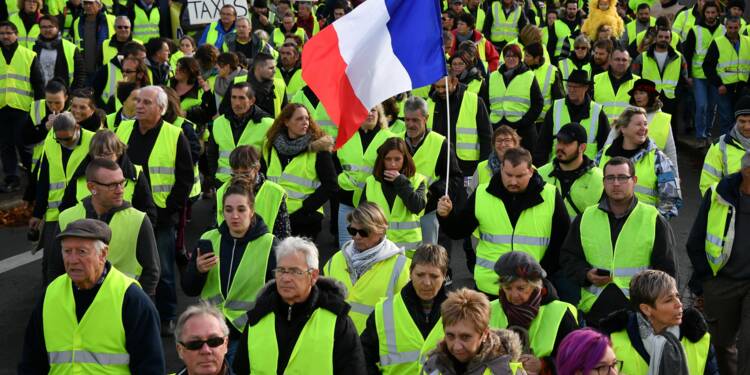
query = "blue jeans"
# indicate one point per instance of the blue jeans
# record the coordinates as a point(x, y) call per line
point(430, 227)
point(344, 236)
point(166, 292)
point(725, 112)
point(703, 105)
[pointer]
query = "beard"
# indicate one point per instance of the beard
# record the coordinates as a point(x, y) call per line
point(568, 159)
point(662, 44)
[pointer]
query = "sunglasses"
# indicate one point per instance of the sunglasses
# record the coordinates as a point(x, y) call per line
point(364, 233)
point(213, 342)
point(123, 27)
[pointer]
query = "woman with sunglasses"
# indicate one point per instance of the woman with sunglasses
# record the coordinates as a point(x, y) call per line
point(370, 265)
point(580, 59)
point(245, 163)
point(587, 352)
point(658, 337)
point(399, 191)
point(106, 145)
point(232, 263)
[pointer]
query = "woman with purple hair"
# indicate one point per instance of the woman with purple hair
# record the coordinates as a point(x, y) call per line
point(587, 352)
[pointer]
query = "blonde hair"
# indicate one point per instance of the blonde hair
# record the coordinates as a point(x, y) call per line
point(466, 305)
point(39, 4)
point(624, 119)
point(369, 215)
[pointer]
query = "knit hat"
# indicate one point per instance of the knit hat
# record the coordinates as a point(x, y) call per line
point(519, 264)
point(742, 107)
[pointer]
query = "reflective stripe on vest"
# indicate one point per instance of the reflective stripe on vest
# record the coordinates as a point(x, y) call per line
point(357, 163)
point(733, 66)
point(59, 176)
point(426, 157)
point(561, 117)
point(15, 82)
point(545, 75)
point(497, 236)
point(404, 228)
point(613, 103)
point(504, 28)
point(161, 160)
point(253, 134)
point(544, 327)
point(633, 364)
point(585, 191)
point(366, 291)
point(720, 231)
point(114, 75)
point(400, 341)
point(96, 343)
point(721, 160)
point(562, 31)
point(659, 126)
point(513, 101)
point(299, 178)
point(125, 225)
point(268, 200)
point(26, 38)
point(665, 82)
point(467, 139)
point(646, 189)
point(145, 26)
point(248, 279)
point(630, 254)
point(314, 346)
point(703, 39)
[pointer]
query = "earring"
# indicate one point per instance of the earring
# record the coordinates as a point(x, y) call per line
point(93, 192)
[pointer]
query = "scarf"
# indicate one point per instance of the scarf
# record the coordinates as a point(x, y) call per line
point(291, 147)
point(494, 163)
point(49, 43)
point(744, 141)
point(361, 261)
point(522, 315)
point(665, 350)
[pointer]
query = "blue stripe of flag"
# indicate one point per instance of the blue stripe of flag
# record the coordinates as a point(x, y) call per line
point(417, 39)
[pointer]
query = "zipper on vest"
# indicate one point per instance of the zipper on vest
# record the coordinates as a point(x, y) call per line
point(289, 314)
point(231, 266)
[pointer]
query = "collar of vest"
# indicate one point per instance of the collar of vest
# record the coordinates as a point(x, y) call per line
point(91, 212)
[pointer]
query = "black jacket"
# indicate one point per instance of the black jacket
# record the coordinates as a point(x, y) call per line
point(688, 46)
point(264, 95)
point(42, 184)
point(99, 84)
point(424, 322)
point(326, 294)
point(230, 255)
point(577, 113)
point(139, 318)
point(710, 63)
point(35, 71)
point(437, 189)
point(525, 125)
point(62, 71)
point(481, 121)
point(414, 197)
point(461, 223)
point(573, 260)
point(145, 252)
point(692, 328)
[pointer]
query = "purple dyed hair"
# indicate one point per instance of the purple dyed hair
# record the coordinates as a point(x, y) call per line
point(581, 350)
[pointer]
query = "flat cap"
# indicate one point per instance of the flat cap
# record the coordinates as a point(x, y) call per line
point(87, 228)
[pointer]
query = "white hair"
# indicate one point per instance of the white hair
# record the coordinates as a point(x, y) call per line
point(244, 18)
point(64, 122)
point(202, 308)
point(123, 18)
point(99, 245)
point(161, 97)
point(291, 245)
point(415, 103)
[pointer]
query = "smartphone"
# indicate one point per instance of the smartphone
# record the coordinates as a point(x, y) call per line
point(204, 247)
point(601, 272)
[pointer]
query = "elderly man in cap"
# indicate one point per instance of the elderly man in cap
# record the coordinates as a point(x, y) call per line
point(723, 158)
point(93, 319)
point(577, 106)
point(719, 250)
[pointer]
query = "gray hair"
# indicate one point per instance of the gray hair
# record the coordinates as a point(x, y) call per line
point(202, 308)
point(123, 18)
point(161, 97)
point(582, 40)
point(99, 245)
point(244, 18)
point(537, 284)
point(415, 103)
point(292, 245)
point(64, 122)
point(647, 286)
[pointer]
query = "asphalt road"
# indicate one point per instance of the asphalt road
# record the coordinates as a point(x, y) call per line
point(20, 285)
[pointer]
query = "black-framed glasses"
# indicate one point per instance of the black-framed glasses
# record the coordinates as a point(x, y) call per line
point(364, 233)
point(213, 342)
point(607, 369)
point(296, 272)
point(621, 178)
point(65, 139)
point(114, 185)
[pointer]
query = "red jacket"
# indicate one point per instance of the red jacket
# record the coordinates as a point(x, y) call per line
point(491, 55)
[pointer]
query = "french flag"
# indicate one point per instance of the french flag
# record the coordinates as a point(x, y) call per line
point(380, 49)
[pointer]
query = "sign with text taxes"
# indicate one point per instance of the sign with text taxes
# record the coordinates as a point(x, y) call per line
point(207, 11)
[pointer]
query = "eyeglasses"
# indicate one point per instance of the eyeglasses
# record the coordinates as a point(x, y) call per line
point(66, 139)
point(213, 342)
point(621, 178)
point(608, 369)
point(114, 185)
point(123, 27)
point(364, 233)
point(296, 272)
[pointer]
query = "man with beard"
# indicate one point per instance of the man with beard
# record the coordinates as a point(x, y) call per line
point(565, 28)
point(576, 107)
point(642, 21)
point(55, 55)
point(600, 62)
point(290, 69)
point(664, 65)
point(547, 75)
point(270, 91)
point(611, 87)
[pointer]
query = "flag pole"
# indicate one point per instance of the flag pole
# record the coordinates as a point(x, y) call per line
point(448, 131)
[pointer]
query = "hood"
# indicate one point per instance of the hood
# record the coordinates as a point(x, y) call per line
point(327, 293)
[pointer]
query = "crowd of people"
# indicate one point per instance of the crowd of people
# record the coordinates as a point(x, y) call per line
point(548, 151)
